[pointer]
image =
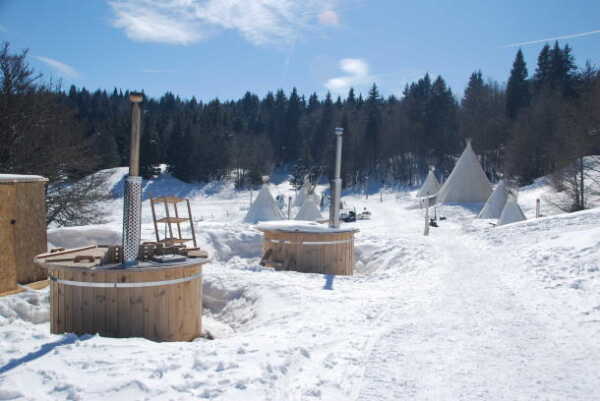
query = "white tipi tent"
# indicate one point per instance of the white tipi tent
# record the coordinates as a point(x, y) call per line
point(309, 211)
point(495, 203)
point(303, 193)
point(430, 187)
point(512, 212)
point(467, 183)
point(264, 208)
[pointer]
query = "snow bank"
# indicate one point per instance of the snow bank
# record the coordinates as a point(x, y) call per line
point(74, 237)
point(29, 306)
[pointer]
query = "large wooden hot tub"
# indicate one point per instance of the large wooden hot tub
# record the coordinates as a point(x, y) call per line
point(157, 301)
point(308, 247)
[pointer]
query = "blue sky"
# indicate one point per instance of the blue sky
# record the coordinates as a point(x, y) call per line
point(222, 48)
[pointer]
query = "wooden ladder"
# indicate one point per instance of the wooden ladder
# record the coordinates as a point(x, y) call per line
point(168, 219)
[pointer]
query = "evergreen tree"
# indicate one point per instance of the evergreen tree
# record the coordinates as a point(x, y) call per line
point(517, 89)
point(373, 128)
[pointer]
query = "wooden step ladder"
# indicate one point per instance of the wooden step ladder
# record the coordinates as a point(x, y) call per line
point(173, 238)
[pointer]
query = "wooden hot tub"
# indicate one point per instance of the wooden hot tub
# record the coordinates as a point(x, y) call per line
point(308, 247)
point(157, 301)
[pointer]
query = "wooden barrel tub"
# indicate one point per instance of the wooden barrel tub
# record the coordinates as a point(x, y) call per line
point(157, 301)
point(308, 247)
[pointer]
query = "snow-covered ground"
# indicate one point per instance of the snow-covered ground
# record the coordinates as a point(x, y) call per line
point(471, 312)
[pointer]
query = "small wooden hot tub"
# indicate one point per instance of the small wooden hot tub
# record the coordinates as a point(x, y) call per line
point(157, 301)
point(308, 247)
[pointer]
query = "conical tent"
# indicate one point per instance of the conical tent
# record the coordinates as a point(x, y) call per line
point(309, 211)
point(512, 212)
point(264, 208)
point(467, 183)
point(430, 187)
point(495, 203)
point(303, 193)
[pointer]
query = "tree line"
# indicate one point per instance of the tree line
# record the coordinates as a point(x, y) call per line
point(533, 125)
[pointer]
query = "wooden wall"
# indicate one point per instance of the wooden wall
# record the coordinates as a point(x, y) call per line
point(22, 233)
point(8, 272)
point(163, 313)
point(30, 231)
point(302, 252)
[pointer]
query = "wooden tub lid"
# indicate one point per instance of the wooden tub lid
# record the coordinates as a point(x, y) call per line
point(292, 226)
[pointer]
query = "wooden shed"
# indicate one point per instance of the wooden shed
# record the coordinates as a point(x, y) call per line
point(22, 229)
point(308, 247)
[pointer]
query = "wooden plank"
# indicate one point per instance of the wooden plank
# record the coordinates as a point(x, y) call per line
point(68, 299)
point(168, 222)
point(187, 291)
point(112, 309)
point(87, 303)
point(54, 304)
point(175, 307)
point(154, 219)
point(198, 304)
point(167, 199)
point(160, 314)
point(174, 220)
point(100, 305)
point(136, 300)
point(123, 306)
point(60, 327)
point(8, 271)
point(76, 301)
point(148, 305)
point(189, 208)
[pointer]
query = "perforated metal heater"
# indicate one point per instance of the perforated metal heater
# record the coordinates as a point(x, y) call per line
point(132, 202)
point(334, 211)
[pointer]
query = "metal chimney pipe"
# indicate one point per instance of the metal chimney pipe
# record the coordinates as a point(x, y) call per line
point(334, 216)
point(132, 202)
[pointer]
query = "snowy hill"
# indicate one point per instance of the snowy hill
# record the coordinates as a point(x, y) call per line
point(470, 312)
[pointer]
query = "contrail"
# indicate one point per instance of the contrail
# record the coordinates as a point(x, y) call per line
point(575, 35)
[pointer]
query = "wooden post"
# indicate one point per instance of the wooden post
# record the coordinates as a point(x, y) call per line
point(537, 208)
point(177, 217)
point(134, 153)
point(289, 208)
point(381, 196)
point(154, 219)
point(168, 221)
point(191, 222)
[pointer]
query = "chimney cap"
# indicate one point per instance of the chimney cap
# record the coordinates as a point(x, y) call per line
point(339, 131)
point(136, 97)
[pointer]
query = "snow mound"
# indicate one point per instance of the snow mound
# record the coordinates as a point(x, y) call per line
point(29, 306)
point(75, 237)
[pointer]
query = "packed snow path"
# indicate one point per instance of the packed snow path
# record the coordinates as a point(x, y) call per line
point(472, 336)
point(469, 313)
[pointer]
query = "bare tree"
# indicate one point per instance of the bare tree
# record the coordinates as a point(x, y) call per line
point(40, 135)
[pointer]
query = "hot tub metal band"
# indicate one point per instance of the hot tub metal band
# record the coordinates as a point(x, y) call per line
point(281, 241)
point(125, 285)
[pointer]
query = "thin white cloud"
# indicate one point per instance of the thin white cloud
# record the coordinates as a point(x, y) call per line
point(187, 21)
point(356, 73)
point(145, 21)
point(571, 36)
point(329, 17)
point(63, 69)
